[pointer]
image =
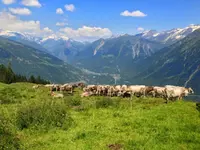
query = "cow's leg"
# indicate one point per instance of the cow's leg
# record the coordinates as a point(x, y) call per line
point(131, 103)
point(180, 98)
point(167, 99)
point(144, 93)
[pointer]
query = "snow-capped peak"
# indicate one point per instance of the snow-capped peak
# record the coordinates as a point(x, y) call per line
point(54, 37)
point(169, 36)
point(19, 35)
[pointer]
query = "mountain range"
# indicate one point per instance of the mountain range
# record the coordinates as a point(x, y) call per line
point(28, 61)
point(151, 57)
point(65, 48)
point(170, 36)
point(178, 64)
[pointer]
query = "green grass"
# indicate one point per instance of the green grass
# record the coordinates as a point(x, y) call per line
point(99, 122)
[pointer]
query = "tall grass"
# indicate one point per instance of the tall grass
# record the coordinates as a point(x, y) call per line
point(44, 114)
point(8, 135)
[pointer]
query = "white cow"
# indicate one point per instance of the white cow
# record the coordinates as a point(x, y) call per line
point(87, 94)
point(136, 89)
point(159, 92)
point(67, 88)
point(177, 92)
point(57, 95)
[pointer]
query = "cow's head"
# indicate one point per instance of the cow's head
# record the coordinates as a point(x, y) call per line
point(190, 90)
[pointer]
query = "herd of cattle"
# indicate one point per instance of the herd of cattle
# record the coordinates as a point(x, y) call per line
point(168, 92)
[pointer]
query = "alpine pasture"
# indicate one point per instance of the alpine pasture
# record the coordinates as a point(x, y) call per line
point(32, 119)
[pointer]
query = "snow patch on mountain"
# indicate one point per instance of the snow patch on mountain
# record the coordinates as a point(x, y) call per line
point(99, 46)
point(54, 37)
point(169, 36)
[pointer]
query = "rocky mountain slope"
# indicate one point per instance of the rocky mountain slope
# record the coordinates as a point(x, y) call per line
point(64, 49)
point(116, 55)
point(178, 64)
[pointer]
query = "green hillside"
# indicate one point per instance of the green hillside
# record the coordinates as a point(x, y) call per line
point(31, 119)
point(29, 61)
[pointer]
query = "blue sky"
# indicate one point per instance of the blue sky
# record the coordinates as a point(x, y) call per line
point(105, 14)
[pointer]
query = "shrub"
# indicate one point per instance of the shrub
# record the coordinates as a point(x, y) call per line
point(44, 114)
point(8, 136)
point(104, 103)
point(9, 95)
point(73, 101)
point(198, 106)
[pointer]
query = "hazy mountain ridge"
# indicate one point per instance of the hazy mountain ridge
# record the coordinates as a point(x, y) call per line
point(61, 47)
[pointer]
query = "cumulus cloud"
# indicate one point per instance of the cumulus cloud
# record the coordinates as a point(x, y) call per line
point(140, 29)
point(70, 7)
point(31, 3)
point(8, 2)
point(59, 11)
point(13, 23)
point(86, 33)
point(136, 13)
point(47, 30)
point(61, 24)
point(20, 11)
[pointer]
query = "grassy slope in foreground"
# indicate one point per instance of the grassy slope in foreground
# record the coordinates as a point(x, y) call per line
point(148, 124)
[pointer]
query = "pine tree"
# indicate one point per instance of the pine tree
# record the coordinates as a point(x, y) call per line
point(10, 76)
point(32, 79)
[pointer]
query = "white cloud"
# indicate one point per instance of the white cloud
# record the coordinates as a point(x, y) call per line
point(20, 11)
point(13, 23)
point(140, 29)
point(136, 13)
point(47, 30)
point(70, 7)
point(31, 3)
point(86, 33)
point(8, 2)
point(59, 11)
point(61, 24)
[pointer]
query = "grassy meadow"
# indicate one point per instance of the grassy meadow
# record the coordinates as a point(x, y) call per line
point(31, 119)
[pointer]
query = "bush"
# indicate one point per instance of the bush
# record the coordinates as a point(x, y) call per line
point(73, 101)
point(45, 114)
point(198, 106)
point(8, 136)
point(9, 95)
point(104, 103)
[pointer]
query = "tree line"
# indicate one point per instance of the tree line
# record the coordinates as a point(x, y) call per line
point(8, 76)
